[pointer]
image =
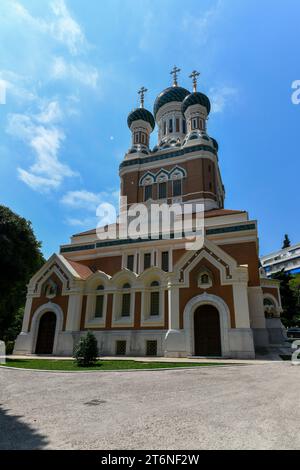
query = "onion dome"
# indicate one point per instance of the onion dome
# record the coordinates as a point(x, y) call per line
point(215, 143)
point(196, 98)
point(173, 93)
point(141, 114)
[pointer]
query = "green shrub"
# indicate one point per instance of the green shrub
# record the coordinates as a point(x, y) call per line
point(86, 351)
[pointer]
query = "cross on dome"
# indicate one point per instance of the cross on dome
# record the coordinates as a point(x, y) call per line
point(174, 72)
point(142, 92)
point(194, 76)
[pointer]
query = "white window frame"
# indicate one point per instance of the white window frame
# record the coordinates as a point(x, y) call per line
point(146, 318)
point(117, 319)
point(124, 260)
point(90, 320)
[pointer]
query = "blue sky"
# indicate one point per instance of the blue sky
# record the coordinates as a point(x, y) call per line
point(72, 69)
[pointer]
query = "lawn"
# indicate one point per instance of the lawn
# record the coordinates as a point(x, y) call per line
point(105, 365)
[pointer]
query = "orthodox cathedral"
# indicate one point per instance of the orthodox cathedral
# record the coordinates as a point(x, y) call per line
point(153, 297)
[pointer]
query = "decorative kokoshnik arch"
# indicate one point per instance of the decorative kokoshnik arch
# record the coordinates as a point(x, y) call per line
point(163, 175)
point(48, 307)
point(188, 321)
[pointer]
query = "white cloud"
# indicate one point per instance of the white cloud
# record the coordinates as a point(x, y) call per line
point(65, 28)
point(84, 222)
point(81, 72)
point(41, 128)
point(37, 183)
point(50, 113)
point(82, 200)
point(17, 86)
point(87, 200)
point(45, 140)
point(62, 26)
point(220, 97)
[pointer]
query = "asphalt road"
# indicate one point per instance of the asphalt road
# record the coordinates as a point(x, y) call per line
point(236, 407)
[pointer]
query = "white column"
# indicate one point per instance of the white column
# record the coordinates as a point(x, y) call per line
point(26, 318)
point(74, 312)
point(241, 305)
point(173, 307)
point(256, 307)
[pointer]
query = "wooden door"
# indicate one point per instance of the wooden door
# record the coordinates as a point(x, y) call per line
point(45, 339)
point(207, 331)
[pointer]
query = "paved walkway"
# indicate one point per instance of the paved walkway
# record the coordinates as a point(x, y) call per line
point(201, 408)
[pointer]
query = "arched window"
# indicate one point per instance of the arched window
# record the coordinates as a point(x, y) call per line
point(205, 280)
point(177, 188)
point(269, 307)
point(148, 192)
point(125, 312)
point(99, 302)
point(154, 299)
point(162, 190)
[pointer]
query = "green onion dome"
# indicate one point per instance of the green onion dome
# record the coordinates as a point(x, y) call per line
point(196, 98)
point(141, 114)
point(173, 93)
point(215, 143)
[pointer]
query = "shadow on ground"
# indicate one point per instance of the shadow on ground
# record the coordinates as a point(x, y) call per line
point(17, 435)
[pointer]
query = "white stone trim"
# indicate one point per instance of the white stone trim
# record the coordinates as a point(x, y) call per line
point(90, 320)
point(241, 304)
point(146, 318)
point(256, 307)
point(188, 319)
point(26, 317)
point(267, 295)
point(74, 312)
point(149, 175)
point(173, 307)
point(45, 273)
point(117, 319)
point(48, 307)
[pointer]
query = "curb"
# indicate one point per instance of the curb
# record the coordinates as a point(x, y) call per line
point(121, 370)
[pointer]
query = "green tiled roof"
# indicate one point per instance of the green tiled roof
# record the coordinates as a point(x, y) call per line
point(211, 231)
point(175, 153)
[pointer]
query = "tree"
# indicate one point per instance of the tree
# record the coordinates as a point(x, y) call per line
point(286, 242)
point(86, 351)
point(20, 258)
point(289, 298)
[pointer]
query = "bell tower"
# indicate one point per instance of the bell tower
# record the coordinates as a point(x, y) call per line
point(183, 166)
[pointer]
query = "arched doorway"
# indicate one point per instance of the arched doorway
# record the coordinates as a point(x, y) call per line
point(207, 331)
point(46, 334)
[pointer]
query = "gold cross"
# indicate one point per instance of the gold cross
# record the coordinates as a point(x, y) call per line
point(142, 92)
point(194, 76)
point(174, 72)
